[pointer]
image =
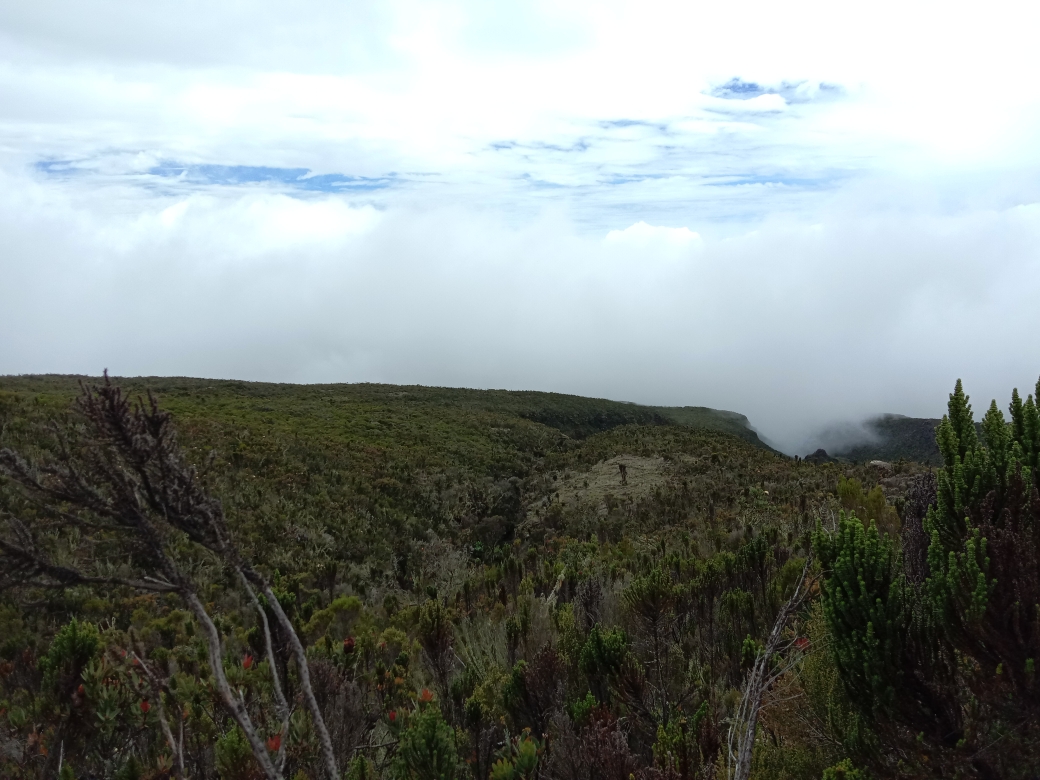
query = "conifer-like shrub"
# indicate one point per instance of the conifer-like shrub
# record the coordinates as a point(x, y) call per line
point(427, 748)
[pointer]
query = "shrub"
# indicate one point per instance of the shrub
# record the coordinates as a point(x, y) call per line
point(427, 748)
point(74, 646)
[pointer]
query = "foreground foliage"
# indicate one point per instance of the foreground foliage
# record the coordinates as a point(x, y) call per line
point(936, 643)
point(476, 594)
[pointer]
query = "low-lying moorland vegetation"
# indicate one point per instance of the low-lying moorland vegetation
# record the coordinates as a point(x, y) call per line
point(244, 581)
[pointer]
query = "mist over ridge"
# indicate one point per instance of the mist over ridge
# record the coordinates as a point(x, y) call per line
point(760, 323)
point(773, 221)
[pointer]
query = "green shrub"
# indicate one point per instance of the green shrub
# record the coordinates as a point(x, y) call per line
point(74, 646)
point(843, 771)
point(427, 748)
point(234, 757)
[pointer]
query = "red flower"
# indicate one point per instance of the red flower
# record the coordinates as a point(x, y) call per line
point(247, 662)
point(801, 643)
point(145, 706)
point(425, 697)
point(393, 715)
point(81, 690)
point(274, 743)
point(348, 645)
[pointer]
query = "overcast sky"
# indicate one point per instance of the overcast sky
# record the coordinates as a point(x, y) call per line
point(802, 211)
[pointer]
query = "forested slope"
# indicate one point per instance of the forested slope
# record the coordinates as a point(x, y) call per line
point(476, 590)
point(895, 437)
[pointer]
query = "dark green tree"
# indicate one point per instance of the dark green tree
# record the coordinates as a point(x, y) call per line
point(427, 749)
point(602, 657)
point(936, 646)
point(862, 601)
point(651, 600)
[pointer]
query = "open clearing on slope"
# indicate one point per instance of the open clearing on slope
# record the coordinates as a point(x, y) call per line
point(592, 487)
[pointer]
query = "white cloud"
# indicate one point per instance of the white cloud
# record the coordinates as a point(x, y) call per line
point(642, 236)
point(761, 103)
point(791, 323)
point(802, 254)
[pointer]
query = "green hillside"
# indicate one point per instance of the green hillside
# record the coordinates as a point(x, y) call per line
point(473, 579)
point(711, 419)
point(407, 456)
point(348, 408)
point(894, 437)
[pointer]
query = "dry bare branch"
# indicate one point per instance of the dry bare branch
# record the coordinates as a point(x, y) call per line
point(763, 674)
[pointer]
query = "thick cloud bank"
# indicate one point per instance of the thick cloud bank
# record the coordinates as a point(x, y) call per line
point(792, 324)
point(805, 212)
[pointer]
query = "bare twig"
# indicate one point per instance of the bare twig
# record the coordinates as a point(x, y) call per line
point(128, 470)
point(231, 702)
point(34, 565)
point(157, 687)
point(305, 681)
point(280, 702)
point(743, 727)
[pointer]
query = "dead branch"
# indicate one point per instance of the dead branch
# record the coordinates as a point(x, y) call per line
point(24, 566)
point(280, 702)
point(763, 674)
point(127, 469)
point(157, 688)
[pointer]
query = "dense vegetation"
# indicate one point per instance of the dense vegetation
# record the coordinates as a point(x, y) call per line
point(476, 593)
point(892, 437)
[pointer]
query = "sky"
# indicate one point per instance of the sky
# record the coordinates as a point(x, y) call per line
point(807, 212)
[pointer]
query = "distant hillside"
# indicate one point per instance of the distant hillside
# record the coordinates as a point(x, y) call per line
point(893, 436)
point(712, 420)
point(575, 416)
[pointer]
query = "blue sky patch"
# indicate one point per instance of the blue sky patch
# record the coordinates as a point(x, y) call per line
point(771, 179)
point(298, 178)
point(632, 178)
point(791, 91)
point(738, 89)
point(610, 123)
point(580, 145)
point(59, 167)
point(226, 175)
point(541, 184)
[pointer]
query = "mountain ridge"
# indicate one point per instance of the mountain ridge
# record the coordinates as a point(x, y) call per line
point(575, 416)
point(889, 437)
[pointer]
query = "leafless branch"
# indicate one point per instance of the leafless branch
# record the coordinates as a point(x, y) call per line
point(28, 565)
point(127, 469)
point(280, 702)
point(158, 687)
point(763, 674)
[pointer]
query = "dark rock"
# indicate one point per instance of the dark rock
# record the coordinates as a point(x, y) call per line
point(820, 456)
